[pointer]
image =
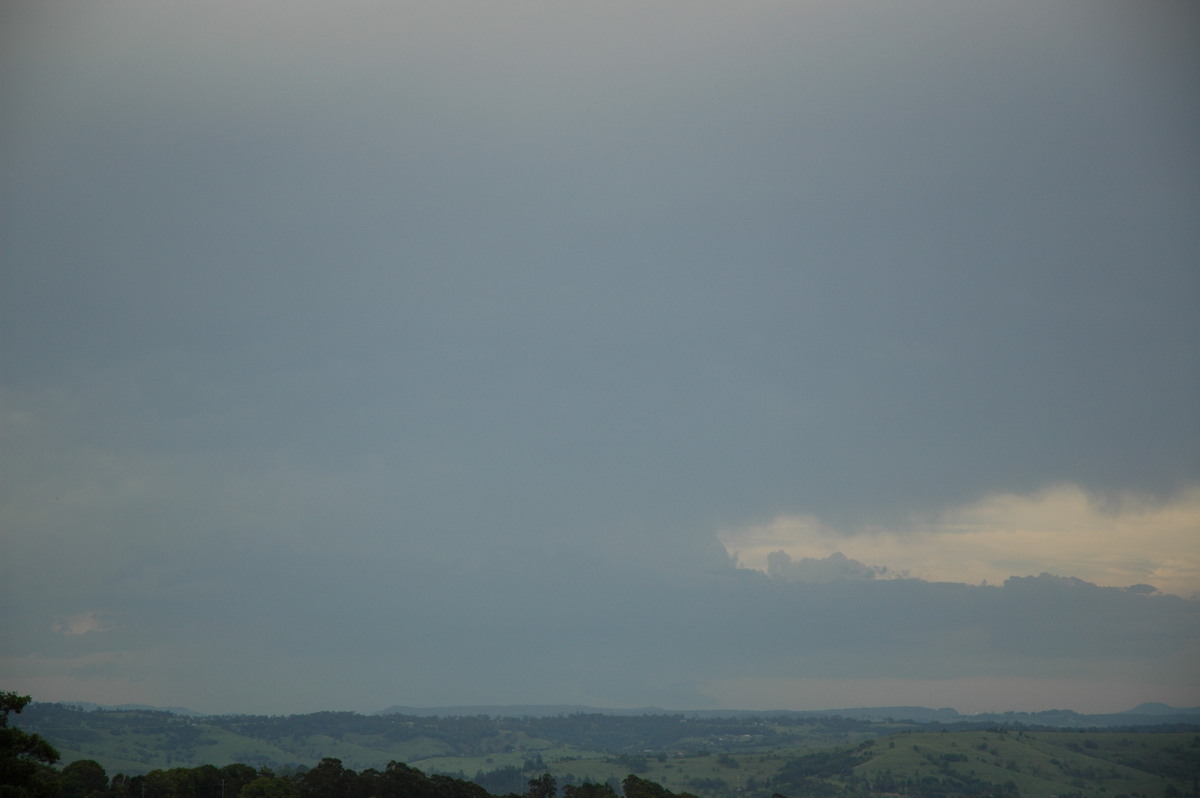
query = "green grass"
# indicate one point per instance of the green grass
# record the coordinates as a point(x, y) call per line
point(1011, 763)
point(1039, 764)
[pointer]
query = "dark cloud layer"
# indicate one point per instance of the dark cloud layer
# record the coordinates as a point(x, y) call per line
point(445, 335)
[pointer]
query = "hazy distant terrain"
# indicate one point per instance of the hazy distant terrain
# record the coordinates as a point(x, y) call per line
point(908, 750)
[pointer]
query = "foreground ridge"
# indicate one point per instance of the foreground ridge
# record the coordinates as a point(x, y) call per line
point(592, 755)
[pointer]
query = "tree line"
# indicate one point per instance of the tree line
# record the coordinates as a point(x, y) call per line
point(27, 770)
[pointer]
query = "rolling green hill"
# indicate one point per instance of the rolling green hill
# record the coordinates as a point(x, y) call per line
point(1032, 764)
point(711, 757)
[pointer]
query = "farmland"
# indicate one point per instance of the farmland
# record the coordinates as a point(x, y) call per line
point(711, 757)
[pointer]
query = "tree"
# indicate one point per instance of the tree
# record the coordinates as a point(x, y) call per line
point(634, 787)
point(269, 787)
point(589, 790)
point(544, 786)
point(235, 776)
point(24, 758)
point(399, 779)
point(84, 778)
point(329, 779)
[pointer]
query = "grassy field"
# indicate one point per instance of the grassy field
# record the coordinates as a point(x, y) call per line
point(756, 760)
point(1016, 763)
point(1033, 764)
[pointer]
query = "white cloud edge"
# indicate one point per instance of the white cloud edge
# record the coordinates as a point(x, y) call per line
point(1061, 529)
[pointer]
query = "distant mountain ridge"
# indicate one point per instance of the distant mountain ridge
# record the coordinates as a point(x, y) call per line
point(1155, 708)
point(90, 706)
point(1148, 713)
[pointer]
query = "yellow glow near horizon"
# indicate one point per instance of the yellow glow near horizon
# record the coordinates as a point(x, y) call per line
point(1060, 530)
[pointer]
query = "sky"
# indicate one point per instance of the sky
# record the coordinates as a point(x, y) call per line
point(689, 355)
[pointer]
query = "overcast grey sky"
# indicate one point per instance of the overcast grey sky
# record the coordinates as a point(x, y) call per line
point(363, 354)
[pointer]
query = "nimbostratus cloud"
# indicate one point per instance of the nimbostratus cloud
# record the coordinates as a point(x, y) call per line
point(459, 341)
